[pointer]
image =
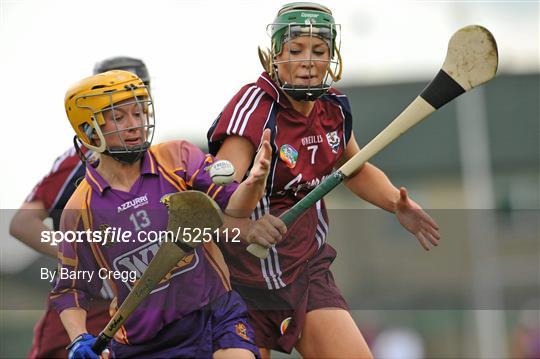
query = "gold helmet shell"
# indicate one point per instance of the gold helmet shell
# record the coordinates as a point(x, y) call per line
point(86, 100)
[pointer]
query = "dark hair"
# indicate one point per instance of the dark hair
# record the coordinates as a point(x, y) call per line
point(130, 64)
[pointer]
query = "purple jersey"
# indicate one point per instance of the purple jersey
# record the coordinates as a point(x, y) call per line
point(305, 151)
point(196, 280)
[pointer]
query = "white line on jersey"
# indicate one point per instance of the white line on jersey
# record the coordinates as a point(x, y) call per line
point(274, 87)
point(238, 105)
point(244, 108)
point(248, 115)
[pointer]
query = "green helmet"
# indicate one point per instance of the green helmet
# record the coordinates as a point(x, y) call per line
point(303, 19)
point(299, 18)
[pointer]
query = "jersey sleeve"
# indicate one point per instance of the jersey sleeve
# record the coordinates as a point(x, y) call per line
point(188, 165)
point(343, 102)
point(198, 177)
point(245, 115)
point(74, 258)
point(48, 189)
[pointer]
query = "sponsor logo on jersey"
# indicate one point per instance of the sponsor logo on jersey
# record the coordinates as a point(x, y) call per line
point(284, 325)
point(134, 203)
point(296, 185)
point(309, 140)
point(289, 155)
point(241, 330)
point(333, 141)
point(138, 259)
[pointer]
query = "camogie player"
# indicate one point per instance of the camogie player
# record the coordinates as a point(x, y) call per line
point(193, 312)
point(48, 199)
point(291, 295)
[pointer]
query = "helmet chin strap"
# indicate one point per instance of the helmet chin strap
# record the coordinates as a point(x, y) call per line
point(304, 94)
point(127, 157)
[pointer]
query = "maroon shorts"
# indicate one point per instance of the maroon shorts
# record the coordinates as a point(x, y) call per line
point(50, 337)
point(277, 316)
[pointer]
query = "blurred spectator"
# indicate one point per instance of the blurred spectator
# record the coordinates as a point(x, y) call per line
point(526, 336)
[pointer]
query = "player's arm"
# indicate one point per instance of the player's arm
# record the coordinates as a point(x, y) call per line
point(71, 298)
point(267, 230)
point(244, 200)
point(27, 225)
point(372, 185)
point(369, 182)
point(74, 320)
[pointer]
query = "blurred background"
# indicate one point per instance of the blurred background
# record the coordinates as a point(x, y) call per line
point(474, 164)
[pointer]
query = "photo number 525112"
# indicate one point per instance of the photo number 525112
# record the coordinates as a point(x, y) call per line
point(205, 235)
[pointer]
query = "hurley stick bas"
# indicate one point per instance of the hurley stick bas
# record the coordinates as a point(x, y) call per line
point(188, 209)
point(471, 60)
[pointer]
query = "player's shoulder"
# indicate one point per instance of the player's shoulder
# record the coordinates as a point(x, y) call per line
point(172, 154)
point(78, 203)
point(68, 159)
point(335, 96)
point(335, 93)
point(81, 196)
point(250, 96)
point(170, 148)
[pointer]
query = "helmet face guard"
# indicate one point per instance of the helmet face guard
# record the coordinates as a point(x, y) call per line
point(310, 20)
point(90, 101)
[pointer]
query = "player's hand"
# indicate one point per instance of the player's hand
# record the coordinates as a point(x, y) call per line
point(417, 221)
point(261, 164)
point(266, 231)
point(81, 348)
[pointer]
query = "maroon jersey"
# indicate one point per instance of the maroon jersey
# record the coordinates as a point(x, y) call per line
point(305, 151)
point(55, 189)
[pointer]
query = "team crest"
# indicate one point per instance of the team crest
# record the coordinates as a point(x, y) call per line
point(333, 141)
point(284, 325)
point(241, 330)
point(289, 155)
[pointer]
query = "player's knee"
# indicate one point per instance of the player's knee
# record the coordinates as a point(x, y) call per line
point(233, 353)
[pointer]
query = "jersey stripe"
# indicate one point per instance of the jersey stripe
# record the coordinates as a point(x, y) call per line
point(217, 191)
point(344, 128)
point(271, 273)
point(266, 269)
point(66, 261)
point(265, 275)
point(322, 226)
point(75, 270)
point(270, 266)
point(64, 185)
point(275, 157)
point(321, 217)
point(248, 115)
point(318, 238)
point(170, 180)
point(278, 268)
point(272, 85)
point(61, 159)
point(219, 271)
point(243, 110)
point(92, 178)
point(238, 105)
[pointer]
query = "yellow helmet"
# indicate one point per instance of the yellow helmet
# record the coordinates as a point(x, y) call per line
point(86, 101)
